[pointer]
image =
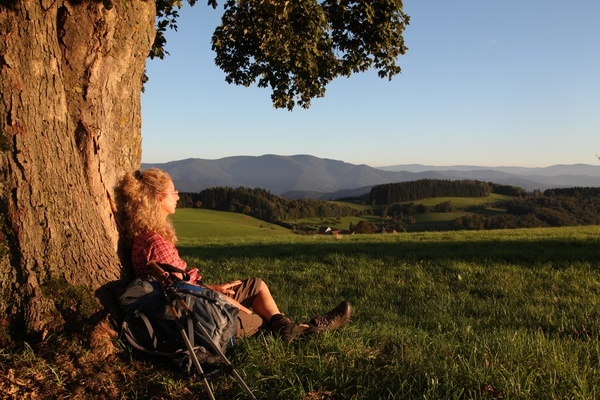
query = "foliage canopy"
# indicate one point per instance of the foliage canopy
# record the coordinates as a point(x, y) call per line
point(297, 47)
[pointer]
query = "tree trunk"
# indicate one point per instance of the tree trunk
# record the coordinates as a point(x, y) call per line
point(70, 85)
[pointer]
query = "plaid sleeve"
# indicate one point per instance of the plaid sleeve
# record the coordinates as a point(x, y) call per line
point(154, 247)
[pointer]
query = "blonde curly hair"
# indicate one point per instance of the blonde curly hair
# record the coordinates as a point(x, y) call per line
point(140, 205)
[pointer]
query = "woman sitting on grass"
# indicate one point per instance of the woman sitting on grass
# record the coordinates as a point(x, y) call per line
point(149, 198)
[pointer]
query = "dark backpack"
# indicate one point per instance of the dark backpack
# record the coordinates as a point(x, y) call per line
point(149, 325)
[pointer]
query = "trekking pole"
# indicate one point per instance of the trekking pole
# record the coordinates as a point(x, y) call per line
point(165, 282)
point(229, 366)
point(161, 275)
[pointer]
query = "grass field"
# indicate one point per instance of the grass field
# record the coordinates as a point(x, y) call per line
point(456, 315)
point(201, 223)
point(510, 314)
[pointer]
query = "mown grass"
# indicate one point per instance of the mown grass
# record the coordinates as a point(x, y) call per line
point(438, 315)
point(197, 223)
point(503, 314)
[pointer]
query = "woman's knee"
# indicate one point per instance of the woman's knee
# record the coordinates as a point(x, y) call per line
point(263, 286)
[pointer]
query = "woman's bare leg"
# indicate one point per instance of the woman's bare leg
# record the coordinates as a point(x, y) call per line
point(264, 304)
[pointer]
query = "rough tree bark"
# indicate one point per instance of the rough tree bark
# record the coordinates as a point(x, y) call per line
point(70, 85)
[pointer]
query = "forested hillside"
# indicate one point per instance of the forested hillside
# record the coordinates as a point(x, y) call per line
point(262, 204)
point(426, 188)
point(404, 206)
point(553, 208)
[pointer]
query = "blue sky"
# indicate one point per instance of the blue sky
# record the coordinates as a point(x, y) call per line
point(491, 83)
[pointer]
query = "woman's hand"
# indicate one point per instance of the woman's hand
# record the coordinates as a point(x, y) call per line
point(194, 275)
point(226, 288)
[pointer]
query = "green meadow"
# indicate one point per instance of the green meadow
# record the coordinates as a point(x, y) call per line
point(199, 223)
point(510, 314)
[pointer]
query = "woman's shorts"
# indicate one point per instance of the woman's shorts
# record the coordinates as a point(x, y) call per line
point(245, 293)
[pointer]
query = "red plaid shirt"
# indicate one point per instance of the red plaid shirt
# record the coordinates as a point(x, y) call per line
point(150, 246)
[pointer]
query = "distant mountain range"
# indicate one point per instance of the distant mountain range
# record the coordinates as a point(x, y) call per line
point(305, 176)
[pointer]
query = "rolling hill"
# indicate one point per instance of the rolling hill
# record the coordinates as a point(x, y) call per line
point(307, 176)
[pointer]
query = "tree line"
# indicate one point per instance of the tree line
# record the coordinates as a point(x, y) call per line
point(262, 204)
point(574, 192)
point(391, 193)
point(553, 208)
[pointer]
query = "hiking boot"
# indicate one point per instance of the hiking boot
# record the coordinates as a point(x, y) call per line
point(285, 328)
point(332, 320)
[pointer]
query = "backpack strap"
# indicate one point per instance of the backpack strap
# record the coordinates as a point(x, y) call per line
point(149, 328)
point(190, 322)
point(133, 341)
point(131, 337)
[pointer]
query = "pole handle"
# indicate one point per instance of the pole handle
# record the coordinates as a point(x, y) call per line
point(157, 272)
